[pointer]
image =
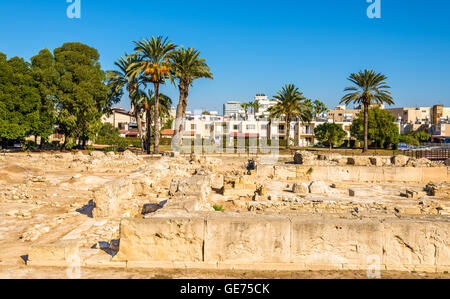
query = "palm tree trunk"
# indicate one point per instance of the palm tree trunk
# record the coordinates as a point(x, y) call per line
point(149, 131)
point(181, 112)
point(156, 147)
point(137, 115)
point(288, 132)
point(366, 128)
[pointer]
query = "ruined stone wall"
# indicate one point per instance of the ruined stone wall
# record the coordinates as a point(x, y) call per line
point(357, 173)
point(286, 243)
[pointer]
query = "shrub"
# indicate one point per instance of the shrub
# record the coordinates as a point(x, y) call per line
point(218, 208)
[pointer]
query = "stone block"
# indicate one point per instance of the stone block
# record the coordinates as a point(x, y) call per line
point(249, 239)
point(62, 250)
point(161, 239)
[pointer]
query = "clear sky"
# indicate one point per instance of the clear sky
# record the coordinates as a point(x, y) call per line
point(257, 46)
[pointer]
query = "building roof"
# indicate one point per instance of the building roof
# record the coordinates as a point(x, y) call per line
point(168, 132)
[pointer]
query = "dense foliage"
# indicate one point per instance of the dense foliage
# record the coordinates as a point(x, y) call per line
point(330, 134)
point(20, 101)
point(382, 131)
point(66, 88)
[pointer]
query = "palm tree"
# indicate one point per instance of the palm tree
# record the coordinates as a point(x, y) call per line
point(245, 106)
point(370, 88)
point(187, 67)
point(255, 107)
point(154, 66)
point(118, 79)
point(147, 100)
point(291, 105)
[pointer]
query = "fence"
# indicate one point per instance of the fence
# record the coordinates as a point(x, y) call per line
point(435, 155)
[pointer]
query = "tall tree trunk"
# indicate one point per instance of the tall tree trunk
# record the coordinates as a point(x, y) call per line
point(137, 115)
point(156, 148)
point(149, 131)
point(366, 128)
point(181, 114)
point(288, 132)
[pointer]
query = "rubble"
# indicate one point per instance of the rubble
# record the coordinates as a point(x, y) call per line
point(400, 160)
point(438, 189)
point(304, 158)
point(300, 188)
point(318, 187)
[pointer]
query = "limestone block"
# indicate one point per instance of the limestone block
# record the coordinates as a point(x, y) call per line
point(358, 161)
point(197, 185)
point(376, 161)
point(63, 250)
point(249, 239)
point(109, 197)
point(360, 192)
point(335, 242)
point(285, 172)
point(400, 160)
point(411, 243)
point(408, 174)
point(304, 158)
point(300, 188)
point(435, 174)
point(161, 239)
point(318, 187)
point(265, 171)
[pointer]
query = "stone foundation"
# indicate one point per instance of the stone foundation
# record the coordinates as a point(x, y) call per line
point(359, 173)
point(279, 242)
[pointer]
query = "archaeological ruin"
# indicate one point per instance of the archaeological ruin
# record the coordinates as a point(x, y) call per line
point(222, 212)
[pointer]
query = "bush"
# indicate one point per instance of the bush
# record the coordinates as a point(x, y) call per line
point(408, 140)
point(29, 145)
point(218, 208)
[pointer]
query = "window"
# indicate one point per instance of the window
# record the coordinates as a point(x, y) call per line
point(263, 127)
point(207, 127)
point(281, 127)
point(193, 127)
point(235, 127)
point(251, 127)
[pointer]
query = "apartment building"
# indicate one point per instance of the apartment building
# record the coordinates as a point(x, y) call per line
point(341, 114)
point(264, 105)
point(232, 108)
point(421, 115)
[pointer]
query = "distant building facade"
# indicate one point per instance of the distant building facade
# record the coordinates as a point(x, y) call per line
point(232, 108)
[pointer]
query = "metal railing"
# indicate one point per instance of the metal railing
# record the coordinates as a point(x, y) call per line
point(434, 154)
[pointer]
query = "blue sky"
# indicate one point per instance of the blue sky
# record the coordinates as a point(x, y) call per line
point(257, 46)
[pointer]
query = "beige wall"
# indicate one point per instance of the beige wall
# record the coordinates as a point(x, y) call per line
point(281, 242)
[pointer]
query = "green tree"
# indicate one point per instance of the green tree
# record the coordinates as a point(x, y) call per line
point(330, 134)
point(154, 64)
point(317, 107)
point(46, 78)
point(187, 67)
point(370, 88)
point(20, 101)
point(82, 96)
point(245, 106)
point(291, 105)
point(407, 139)
point(422, 136)
point(382, 130)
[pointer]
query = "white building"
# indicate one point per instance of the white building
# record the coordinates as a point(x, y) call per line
point(264, 104)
